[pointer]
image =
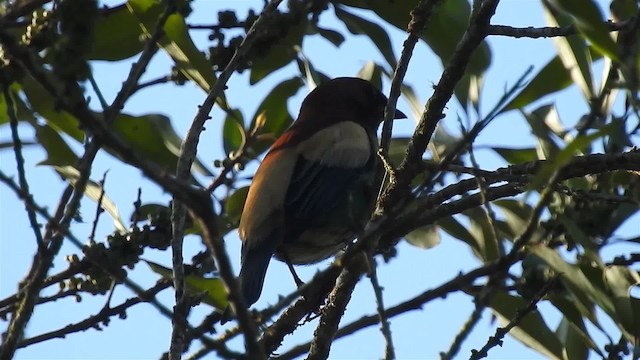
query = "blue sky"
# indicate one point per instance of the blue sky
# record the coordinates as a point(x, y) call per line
point(146, 334)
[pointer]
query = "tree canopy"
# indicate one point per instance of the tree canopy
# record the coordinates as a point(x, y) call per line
point(511, 201)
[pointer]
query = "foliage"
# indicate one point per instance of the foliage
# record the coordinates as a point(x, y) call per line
point(539, 226)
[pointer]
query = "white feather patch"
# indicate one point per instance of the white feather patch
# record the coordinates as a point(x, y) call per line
point(345, 144)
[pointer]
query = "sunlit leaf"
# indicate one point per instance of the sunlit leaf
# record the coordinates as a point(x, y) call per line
point(590, 22)
point(177, 43)
point(425, 237)
point(573, 52)
point(93, 191)
point(372, 73)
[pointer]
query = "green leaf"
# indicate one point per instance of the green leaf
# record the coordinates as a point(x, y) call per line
point(93, 191)
point(213, 290)
point(233, 132)
point(360, 26)
point(234, 204)
point(443, 32)
point(572, 340)
point(153, 136)
point(576, 233)
point(282, 52)
point(425, 237)
point(552, 78)
point(483, 231)
point(565, 155)
point(517, 214)
point(619, 280)
point(117, 35)
point(573, 52)
point(23, 113)
point(538, 120)
point(177, 43)
point(517, 156)
point(277, 116)
point(532, 330)
point(590, 23)
point(58, 152)
point(458, 231)
point(575, 280)
point(42, 103)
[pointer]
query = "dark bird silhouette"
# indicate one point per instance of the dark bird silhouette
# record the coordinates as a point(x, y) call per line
point(314, 189)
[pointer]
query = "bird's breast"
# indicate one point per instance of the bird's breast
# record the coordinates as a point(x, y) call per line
point(345, 144)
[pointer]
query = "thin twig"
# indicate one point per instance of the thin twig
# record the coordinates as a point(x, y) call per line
point(22, 176)
point(459, 282)
point(187, 155)
point(544, 32)
point(99, 209)
point(468, 326)
point(385, 328)
point(496, 339)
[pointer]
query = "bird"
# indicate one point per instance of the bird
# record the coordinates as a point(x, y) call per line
point(313, 191)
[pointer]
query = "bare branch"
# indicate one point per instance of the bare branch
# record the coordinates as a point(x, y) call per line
point(187, 156)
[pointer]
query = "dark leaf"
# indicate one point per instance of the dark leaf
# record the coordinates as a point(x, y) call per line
point(532, 330)
point(234, 205)
point(117, 35)
point(360, 26)
point(233, 132)
point(212, 290)
point(58, 152)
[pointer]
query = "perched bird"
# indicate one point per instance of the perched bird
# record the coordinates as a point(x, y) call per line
point(314, 189)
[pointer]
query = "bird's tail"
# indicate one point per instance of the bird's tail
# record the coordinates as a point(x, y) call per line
point(255, 262)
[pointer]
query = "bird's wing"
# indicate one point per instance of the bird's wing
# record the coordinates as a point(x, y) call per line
point(263, 209)
point(328, 163)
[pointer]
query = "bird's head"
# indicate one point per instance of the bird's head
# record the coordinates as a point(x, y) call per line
point(346, 99)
